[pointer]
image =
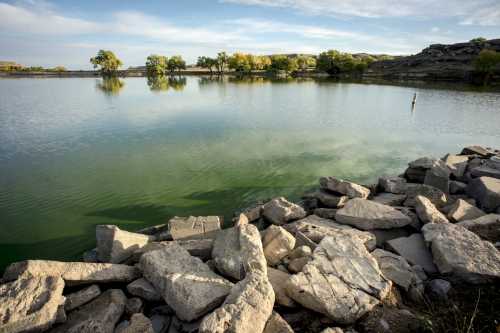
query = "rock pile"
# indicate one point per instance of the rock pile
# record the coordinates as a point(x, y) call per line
point(347, 258)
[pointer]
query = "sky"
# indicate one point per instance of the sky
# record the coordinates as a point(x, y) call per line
point(50, 33)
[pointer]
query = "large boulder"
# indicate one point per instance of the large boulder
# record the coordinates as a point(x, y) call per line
point(427, 212)
point(115, 245)
point(368, 215)
point(245, 310)
point(438, 176)
point(316, 228)
point(201, 248)
point(277, 243)
point(461, 210)
point(73, 273)
point(186, 284)
point(344, 187)
point(485, 171)
point(30, 303)
point(487, 227)
point(390, 199)
point(457, 164)
point(396, 269)
point(417, 169)
point(82, 296)
point(280, 211)
point(461, 254)
point(414, 250)
point(277, 279)
point(101, 315)
point(478, 151)
point(392, 184)
point(486, 191)
point(435, 195)
point(343, 281)
point(194, 227)
point(236, 249)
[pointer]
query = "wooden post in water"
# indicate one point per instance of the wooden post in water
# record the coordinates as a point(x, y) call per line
point(413, 102)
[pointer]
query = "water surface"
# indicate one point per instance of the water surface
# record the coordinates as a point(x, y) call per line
point(77, 152)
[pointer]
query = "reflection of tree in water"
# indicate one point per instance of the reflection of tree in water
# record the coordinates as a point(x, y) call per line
point(213, 79)
point(163, 83)
point(110, 85)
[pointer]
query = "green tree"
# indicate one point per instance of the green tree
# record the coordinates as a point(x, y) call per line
point(240, 62)
point(222, 62)
point(176, 63)
point(284, 63)
point(334, 62)
point(156, 64)
point(304, 62)
point(478, 40)
point(207, 62)
point(486, 62)
point(106, 61)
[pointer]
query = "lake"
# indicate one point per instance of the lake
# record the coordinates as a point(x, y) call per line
point(77, 152)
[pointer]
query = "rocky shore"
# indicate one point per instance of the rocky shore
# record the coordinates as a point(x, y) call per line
point(346, 258)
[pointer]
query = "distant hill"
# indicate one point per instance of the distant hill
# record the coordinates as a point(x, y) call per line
point(454, 62)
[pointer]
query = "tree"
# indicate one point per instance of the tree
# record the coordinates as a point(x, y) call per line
point(486, 62)
point(283, 63)
point(106, 61)
point(304, 62)
point(334, 62)
point(222, 61)
point(478, 40)
point(156, 64)
point(207, 62)
point(240, 62)
point(176, 63)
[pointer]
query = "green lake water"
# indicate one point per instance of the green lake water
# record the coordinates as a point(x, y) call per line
point(78, 152)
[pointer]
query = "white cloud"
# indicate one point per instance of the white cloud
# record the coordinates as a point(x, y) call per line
point(487, 9)
point(42, 21)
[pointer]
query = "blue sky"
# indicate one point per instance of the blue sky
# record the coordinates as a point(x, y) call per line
point(50, 33)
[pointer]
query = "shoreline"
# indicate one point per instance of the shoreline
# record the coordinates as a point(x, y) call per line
point(390, 256)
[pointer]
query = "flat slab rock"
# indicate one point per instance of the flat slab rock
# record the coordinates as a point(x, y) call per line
point(461, 254)
point(115, 245)
point(396, 269)
point(30, 303)
point(368, 215)
point(194, 227)
point(81, 297)
point(101, 315)
point(461, 210)
point(487, 227)
point(316, 228)
point(352, 190)
point(201, 248)
point(237, 250)
point(245, 310)
point(186, 284)
point(414, 250)
point(343, 281)
point(280, 211)
point(73, 273)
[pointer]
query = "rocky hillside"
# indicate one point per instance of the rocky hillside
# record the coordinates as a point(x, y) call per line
point(403, 255)
point(437, 62)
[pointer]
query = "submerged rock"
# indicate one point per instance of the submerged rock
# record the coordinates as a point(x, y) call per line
point(344, 187)
point(186, 283)
point(30, 303)
point(461, 254)
point(115, 245)
point(280, 211)
point(101, 315)
point(368, 215)
point(343, 281)
point(73, 273)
